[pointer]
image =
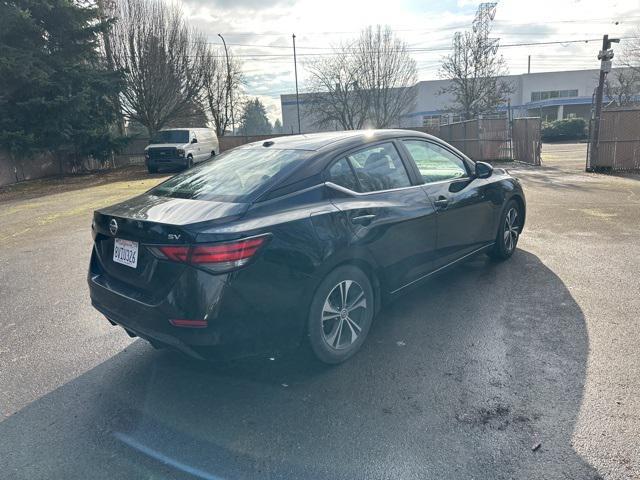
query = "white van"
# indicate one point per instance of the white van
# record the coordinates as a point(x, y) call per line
point(180, 147)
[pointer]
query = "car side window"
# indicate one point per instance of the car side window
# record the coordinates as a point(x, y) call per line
point(341, 174)
point(379, 168)
point(435, 162)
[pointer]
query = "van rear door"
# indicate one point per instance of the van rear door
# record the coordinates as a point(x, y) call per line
point(196, 148)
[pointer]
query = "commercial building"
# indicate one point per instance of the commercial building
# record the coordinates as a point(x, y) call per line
point(550, 95)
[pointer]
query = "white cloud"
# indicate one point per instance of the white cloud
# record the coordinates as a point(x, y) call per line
point(318, 25)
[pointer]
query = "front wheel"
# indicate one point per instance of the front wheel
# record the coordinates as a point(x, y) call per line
point(341, 315)
point(189, 162)
point(508, 232)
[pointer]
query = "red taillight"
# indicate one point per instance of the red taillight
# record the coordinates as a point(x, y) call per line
point(226, 252)
point(175, 253)
point(216, 257)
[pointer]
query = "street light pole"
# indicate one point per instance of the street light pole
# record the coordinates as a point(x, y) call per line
point(295, 69)
point(229, 86)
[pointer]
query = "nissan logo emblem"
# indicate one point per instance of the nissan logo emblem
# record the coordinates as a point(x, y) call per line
point(113, 226)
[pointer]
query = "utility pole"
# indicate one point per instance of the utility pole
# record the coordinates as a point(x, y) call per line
point(295, 69)
point(229, 85)
point(605, 55)
point(529, 64)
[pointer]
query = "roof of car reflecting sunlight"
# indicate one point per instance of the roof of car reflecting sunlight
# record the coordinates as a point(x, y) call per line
point(316, 141)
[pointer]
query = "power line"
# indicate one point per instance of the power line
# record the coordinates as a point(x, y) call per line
point(422, 50)
point(621, 19)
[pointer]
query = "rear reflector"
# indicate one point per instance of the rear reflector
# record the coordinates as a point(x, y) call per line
point(188, 323)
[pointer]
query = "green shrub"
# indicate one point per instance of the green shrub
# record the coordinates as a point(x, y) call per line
point(568, 129)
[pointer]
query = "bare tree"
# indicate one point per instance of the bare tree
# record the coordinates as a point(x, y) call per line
point(387, 74)
point(369, 82)
point(335, 97)
point(631, 51)
point(193, 115)
point(162, 60)
point(622, 86)
point(474, 70)
point(220, 87)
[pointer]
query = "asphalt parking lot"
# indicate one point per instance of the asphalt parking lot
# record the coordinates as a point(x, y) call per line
point(524, 369)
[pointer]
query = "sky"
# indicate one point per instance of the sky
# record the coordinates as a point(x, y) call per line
point(259, 33)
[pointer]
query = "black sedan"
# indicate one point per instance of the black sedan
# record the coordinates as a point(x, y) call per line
point(296, 239)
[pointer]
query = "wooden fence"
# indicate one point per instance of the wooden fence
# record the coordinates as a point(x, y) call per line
point(526, 140)
point(619, 144)
point(482, 139)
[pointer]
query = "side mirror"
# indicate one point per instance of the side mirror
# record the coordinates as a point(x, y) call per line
point(195, 140)
point(483, 170)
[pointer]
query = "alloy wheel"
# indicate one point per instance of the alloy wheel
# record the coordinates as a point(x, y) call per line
point(511, 229)
point(343, 314)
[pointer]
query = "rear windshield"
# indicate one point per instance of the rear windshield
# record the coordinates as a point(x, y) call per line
point(171, 136)
point(236, 176)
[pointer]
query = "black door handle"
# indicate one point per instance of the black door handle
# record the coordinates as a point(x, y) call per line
point(363, 219)
point(441, 202)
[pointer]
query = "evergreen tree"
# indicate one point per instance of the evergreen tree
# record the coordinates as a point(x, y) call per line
point(56, 93)
point(277, 126)
point(254, 119)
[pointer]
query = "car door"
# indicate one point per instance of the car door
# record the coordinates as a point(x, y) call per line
point(465, 213)
point(387, 212)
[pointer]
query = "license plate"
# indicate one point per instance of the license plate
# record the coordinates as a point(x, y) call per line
point(125, 252)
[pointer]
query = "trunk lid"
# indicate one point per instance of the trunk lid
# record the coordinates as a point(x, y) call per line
point(152, 220)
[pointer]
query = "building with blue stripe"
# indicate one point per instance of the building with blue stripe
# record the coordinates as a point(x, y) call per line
point(550, 95)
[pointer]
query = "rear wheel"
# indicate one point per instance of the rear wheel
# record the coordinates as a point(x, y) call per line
point(341, 315)
point(213, 153)
point(508, 232)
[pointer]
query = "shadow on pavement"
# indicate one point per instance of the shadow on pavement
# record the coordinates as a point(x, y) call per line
point(460, 378)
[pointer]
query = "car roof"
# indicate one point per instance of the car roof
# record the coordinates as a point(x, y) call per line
point(317, 142)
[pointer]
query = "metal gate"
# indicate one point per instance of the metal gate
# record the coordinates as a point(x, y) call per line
point(485, 139)
point(492, 139)
point(525, 139)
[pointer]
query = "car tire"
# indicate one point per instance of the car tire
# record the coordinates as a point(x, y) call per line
point(189, 162)
point(509, 230)
point(213, 153)
point(152, 169)
point(338, 324)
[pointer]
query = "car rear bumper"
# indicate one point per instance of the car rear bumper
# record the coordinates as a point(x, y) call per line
point(152, 336)
point(243, 315)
